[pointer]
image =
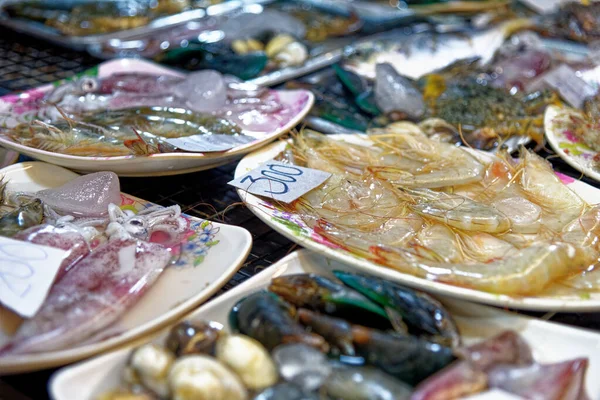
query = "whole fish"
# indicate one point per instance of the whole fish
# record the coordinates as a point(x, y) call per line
point(101, 288)
point(421, 54)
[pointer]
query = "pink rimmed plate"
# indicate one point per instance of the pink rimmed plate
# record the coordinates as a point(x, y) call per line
point(567, 145)
point(291, 226)
point(295, 105)
point(209, 258)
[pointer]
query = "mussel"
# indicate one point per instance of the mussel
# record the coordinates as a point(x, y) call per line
point(336, 331)
point(407, 358)
point(422, 314)
point(268, 319)
point(326, 295)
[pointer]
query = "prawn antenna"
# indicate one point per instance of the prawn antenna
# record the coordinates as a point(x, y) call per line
point(462, 137)
point(65, 116)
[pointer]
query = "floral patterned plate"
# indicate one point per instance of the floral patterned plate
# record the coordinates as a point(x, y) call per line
point(291, 226)
point(210, 257)
point(295, 104)
point(568, 146)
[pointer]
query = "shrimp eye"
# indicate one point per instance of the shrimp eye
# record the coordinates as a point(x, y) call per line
point(88, 85)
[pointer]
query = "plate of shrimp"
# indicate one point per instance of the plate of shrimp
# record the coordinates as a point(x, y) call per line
point(450, 220)
point(137, 118)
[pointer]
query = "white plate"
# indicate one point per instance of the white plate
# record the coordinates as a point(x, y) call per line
point(180, 288)
point(291, 226)
point(549, 342)
point(570, 148)
point(296, 105)
point(8, 157)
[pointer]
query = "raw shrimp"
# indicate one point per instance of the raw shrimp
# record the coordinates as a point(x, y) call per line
point(429, 209)
point(320, 152)
point(560, 205)
point(483, 247)
point(69, 137)
point(359, 212)
point(459, 212)
point(441, 240)
point(416, 161)
point(521, 272)
point(365, 203)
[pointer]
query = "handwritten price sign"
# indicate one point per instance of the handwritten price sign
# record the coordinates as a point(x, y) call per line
point(280, 181)
point(27, 271)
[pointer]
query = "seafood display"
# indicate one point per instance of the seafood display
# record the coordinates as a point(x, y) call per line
point(137, 114)
point(290, 342)
point(113, 257)
point(442, 185)
point(483, 87)
point(433, 210)
point(81, 18)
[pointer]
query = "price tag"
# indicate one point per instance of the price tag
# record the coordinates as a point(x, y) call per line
point(27, 271)
point(209, 143)
point(571, 88)
point(280, 181)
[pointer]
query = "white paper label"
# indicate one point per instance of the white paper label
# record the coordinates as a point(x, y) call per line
point(208, 143)
point(280, 181)
point(494, 394)
point(27, 271)
point(571, 88)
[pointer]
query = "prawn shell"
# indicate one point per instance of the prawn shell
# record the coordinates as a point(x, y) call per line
point(468, 215)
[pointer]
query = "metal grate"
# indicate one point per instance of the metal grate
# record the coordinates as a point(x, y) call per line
point(29, 62)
